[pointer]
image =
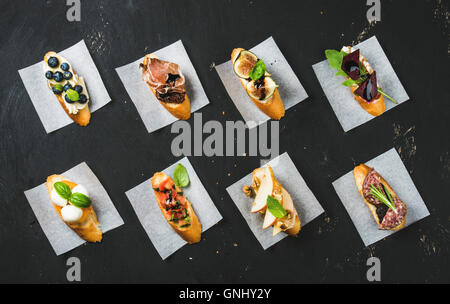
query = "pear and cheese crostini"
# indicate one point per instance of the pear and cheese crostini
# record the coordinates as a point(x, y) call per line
point(273, 201)
point(258, 84)
point(167, 83)
point(74, 207)
point(176, 209)
point(68, 87)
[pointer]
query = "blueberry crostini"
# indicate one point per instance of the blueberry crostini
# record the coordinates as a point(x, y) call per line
point(69, 88)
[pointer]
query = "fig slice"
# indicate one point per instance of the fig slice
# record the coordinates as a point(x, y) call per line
point(244, 64)
point(261, 89)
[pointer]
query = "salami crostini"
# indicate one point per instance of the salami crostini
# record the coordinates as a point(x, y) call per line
point(273, 202)
point(258, 83)
point(167, 83)
point(69, 88)
point(176, 209)
point(73, 205)
point(386, 207)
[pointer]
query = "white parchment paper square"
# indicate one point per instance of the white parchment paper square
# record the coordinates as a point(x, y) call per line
point(291, 90)
point(390, 166)
point(163, 237)
point(348, 111)
point(49, 110)
point(151, 111)
point(287, 174)
point(60, 236)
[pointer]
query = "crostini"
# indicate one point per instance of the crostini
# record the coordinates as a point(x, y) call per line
point(73, 205)
point(387, 209)
point(176, 209)
point(361, 79)
point(258, 84)
point(69, 88)
point(167, 83)
point(273, 201)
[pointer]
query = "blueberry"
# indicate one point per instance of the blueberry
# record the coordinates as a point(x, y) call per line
point(83, 99)
point(58, 76)
point(67, 75)
point(79, 89)
point(53, 62)
point(57, 90)
point(67, 86)
point(49, 75)
point(68, 99)
point(65, 66)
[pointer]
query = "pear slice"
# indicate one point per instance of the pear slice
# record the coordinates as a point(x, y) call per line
point(266, 184)
point(269, 220)
point(261, 89)
point(244, 64)
point(291, 222)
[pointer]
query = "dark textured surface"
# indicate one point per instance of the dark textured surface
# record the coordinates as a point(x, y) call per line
point(414, 35)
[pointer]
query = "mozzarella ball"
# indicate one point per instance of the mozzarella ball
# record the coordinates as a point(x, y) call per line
point(80, 189)
point(71, 213)
point(57, 199)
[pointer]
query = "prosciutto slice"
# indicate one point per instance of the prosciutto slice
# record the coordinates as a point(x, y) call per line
point(166, 79)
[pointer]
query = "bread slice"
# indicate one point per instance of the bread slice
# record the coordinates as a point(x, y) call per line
point(191, 234)
point(375, 107)
point(360, 172)
point(274, 107)
point(87, 227)
point(83, 117)
point(179, 110)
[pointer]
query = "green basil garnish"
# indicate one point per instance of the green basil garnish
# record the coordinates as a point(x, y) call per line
point(258, 70)
point(275, 207)
point(59, 87)
point(180, 176)
point(80, 200)
point(63, 190)
point(73, 95)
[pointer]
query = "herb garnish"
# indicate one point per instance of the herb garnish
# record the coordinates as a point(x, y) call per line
point(180, 176)
point(258, 70)
point(385, 199)
point(275, 207)
point(77, 199)
point(335, 60)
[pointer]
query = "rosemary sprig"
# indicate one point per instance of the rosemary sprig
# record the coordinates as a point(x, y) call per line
point(388, 201)
point(389, 97)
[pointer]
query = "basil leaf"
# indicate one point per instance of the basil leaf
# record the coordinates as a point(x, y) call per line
point(258, 70)
point(341, 73)
point(275, 207)
point(80, 200)
point(63, 190)
point(334, 58)
point(349, 82)
point(73, 95)
point(59, 87)
point(180, 176)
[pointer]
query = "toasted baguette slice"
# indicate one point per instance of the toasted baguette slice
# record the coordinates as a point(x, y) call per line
point(87, 227)
point(360, 172)
point(274, 107)
point(375, 108)
point(83, 117)
point(179, 110)
point(191, 234)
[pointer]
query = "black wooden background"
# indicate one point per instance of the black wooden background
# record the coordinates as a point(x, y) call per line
point(117, 147)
